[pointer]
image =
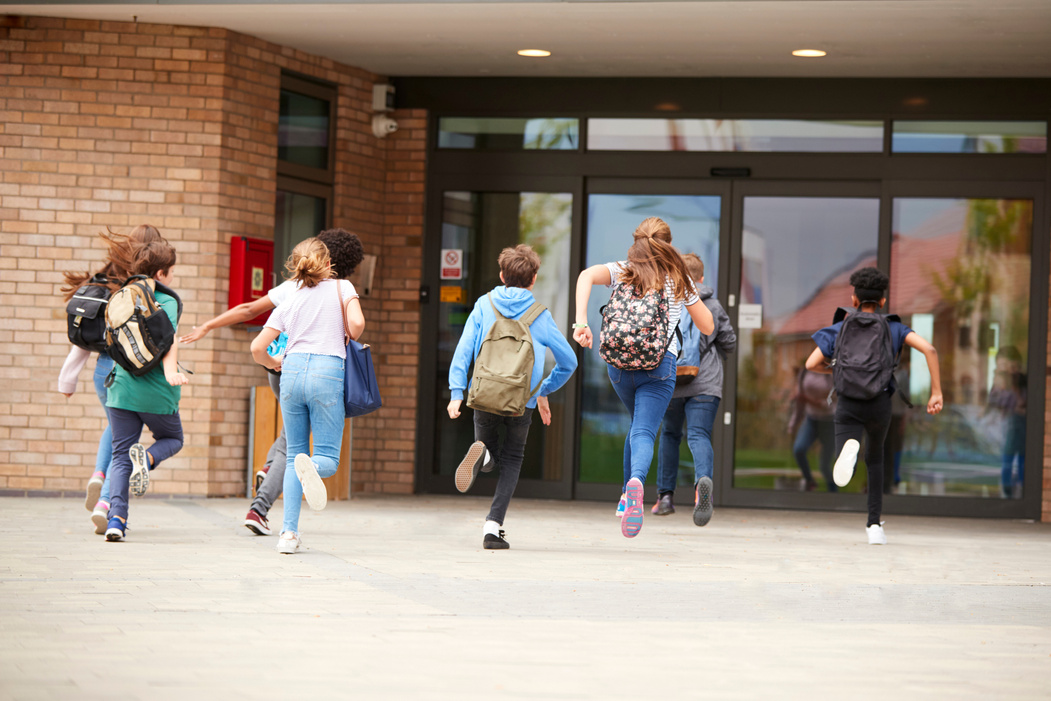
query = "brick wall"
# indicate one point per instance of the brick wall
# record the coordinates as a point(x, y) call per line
point(116, 124)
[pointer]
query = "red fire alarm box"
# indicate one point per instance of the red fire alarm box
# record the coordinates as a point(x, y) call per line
point(251, 272)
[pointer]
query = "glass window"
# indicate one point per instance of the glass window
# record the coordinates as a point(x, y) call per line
point(757, 135)
point(298, 217)
point(797, 254)
point(508, 134)
point(694, 222)
point(960, 274)
point(476, 226)
point(302, 130)
point(970, 137)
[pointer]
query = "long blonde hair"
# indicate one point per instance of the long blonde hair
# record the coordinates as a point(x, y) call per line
point(652, 259)
point(309, 263)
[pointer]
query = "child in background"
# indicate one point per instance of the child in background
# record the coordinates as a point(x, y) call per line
point(315, 318)
point(653, 268)
point(870, 417)
point(696, 403)
point(97, 494)
point(513, 299)
point(151, 400)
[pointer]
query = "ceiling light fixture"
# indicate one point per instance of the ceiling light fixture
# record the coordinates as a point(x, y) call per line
point(809, 53)
point(534, 53)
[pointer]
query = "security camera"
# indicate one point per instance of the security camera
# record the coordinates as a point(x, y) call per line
point(383, 125)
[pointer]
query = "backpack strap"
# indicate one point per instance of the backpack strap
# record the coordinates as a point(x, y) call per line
point(495, 310)
point(158, 287)
point(531, 314)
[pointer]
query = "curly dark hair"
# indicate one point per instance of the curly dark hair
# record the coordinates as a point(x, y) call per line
point(345, 250)
point(870, 284)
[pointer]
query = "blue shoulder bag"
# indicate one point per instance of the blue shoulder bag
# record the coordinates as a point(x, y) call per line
point(361, 392)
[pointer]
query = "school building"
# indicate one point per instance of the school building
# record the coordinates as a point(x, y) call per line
point(918, 143)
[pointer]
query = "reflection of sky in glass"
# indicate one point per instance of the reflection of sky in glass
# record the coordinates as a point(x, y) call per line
point(911, 213)
point(806, 241)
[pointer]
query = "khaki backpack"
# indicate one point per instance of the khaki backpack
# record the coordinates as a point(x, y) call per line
point(138, 332)
point(504, 366)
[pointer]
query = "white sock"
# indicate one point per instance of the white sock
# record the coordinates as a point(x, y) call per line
point(491, 528)
point(487, 458)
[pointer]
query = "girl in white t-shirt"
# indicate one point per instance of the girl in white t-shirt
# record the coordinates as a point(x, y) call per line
point(311, 376)
point(652, 264)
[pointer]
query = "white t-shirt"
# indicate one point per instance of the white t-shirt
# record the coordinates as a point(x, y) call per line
point(313, 319)
point(616, 269)
point(282, 292)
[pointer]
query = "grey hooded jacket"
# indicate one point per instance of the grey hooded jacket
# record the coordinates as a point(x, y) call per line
point(706, 352)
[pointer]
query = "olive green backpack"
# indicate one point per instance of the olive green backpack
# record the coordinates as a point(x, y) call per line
point(504, 366)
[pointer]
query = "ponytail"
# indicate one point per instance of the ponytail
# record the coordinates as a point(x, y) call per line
point(309, 263)
point(652, 259)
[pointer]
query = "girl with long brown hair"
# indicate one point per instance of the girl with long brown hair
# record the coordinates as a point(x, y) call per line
point(120, 255)
point(650, 287)
point(315, 317)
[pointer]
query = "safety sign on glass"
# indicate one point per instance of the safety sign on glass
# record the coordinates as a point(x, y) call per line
point(452, 264)
point(750, 316)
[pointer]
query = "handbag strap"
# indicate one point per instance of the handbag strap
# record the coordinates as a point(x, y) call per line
point(343, 314)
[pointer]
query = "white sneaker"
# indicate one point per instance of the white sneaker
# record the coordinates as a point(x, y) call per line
point(848, 458)
point(94, 490)
point(100, 517)
point(313, 487)
point(288, 543)
point(139, 481)
point(876, 534)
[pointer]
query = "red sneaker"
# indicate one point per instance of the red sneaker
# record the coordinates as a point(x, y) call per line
point(257, 523)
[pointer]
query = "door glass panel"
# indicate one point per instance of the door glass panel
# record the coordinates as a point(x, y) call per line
point(960, 275)
point(298, 217)
point(694, 222)
point(797, 254)
point(478, 225)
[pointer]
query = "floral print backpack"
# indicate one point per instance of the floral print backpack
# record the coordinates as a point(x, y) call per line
point(634, 334)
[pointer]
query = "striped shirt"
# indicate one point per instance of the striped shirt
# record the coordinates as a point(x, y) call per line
point(675, 305)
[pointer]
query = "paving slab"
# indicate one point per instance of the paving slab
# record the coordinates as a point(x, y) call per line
point(395, 598)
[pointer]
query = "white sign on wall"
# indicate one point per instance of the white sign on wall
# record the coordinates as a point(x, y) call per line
point(452, 264)
point(750, 316)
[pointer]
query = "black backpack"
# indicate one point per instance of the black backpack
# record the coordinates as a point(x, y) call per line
point(138, 330)
point(863, 361)
point(86, 314)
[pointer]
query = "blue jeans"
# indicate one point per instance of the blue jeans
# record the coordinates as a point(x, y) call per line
point(127, 430)
point(646, 394)
point(699, 413)
point(811, 431)
point(1014, 445)
point(311, 401)
point(104, 457)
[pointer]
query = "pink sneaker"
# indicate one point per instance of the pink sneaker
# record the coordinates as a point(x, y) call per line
point(631, 522)
point(100, 517)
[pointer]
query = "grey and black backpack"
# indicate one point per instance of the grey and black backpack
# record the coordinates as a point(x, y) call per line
point(86, 314)
point(863, 361)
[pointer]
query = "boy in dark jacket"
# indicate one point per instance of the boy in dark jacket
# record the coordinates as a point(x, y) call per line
point(696, 402)
point(518, 270)
point(870, 417)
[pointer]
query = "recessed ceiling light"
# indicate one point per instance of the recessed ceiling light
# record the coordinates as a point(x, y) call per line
point(534, 52)
point(809, 53)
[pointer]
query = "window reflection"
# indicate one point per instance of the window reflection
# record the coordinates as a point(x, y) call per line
point(509, 133)
point(297, 218)
point(797, 257)
point(960, 277)
point(756, 135)
point(969, 137)
point(302, 131)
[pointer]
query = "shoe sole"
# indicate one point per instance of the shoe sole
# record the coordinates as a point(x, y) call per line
point(469, 467)
point(288, 550)
point(631, 522)
point(313, 488)
point(496, 545)
point(114, 535)
point(848, 458)
point(702, 512)
point(91, 497)
point(256, 527)
point(139, 481)
point(100, 519)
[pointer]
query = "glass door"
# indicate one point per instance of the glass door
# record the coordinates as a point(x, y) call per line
point(694, 211)
point(795, 246)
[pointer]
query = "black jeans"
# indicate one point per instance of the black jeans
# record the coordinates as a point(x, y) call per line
point(871, 418)
point(506, 454)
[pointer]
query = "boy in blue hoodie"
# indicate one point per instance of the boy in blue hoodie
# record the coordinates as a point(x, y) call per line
point(518, 271)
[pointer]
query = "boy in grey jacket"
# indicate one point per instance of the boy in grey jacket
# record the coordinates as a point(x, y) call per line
point(696, 402)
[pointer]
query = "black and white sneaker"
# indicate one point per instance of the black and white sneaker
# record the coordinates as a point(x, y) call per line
point(139, 481)
point(471, 465)
point(495, 542)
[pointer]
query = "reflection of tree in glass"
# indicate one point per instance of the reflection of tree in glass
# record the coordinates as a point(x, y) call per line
point(550, 134)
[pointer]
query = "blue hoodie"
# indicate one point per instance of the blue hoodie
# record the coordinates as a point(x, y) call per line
point(512, 303)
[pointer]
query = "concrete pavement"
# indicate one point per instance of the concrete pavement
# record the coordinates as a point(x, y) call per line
point(395, 598)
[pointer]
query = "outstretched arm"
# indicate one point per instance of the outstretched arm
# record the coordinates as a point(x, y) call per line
point(914, 340)
point(236, 315)
point(588, 278)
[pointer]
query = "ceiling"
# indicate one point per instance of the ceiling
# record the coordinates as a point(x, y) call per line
point(731, 38)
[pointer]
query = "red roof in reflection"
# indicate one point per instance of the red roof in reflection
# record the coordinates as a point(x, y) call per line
point(913, 262)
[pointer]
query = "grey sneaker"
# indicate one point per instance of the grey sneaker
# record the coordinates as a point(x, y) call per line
point(313, 488)
point(664, 506)
point(702, 504)
point(139, 481)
